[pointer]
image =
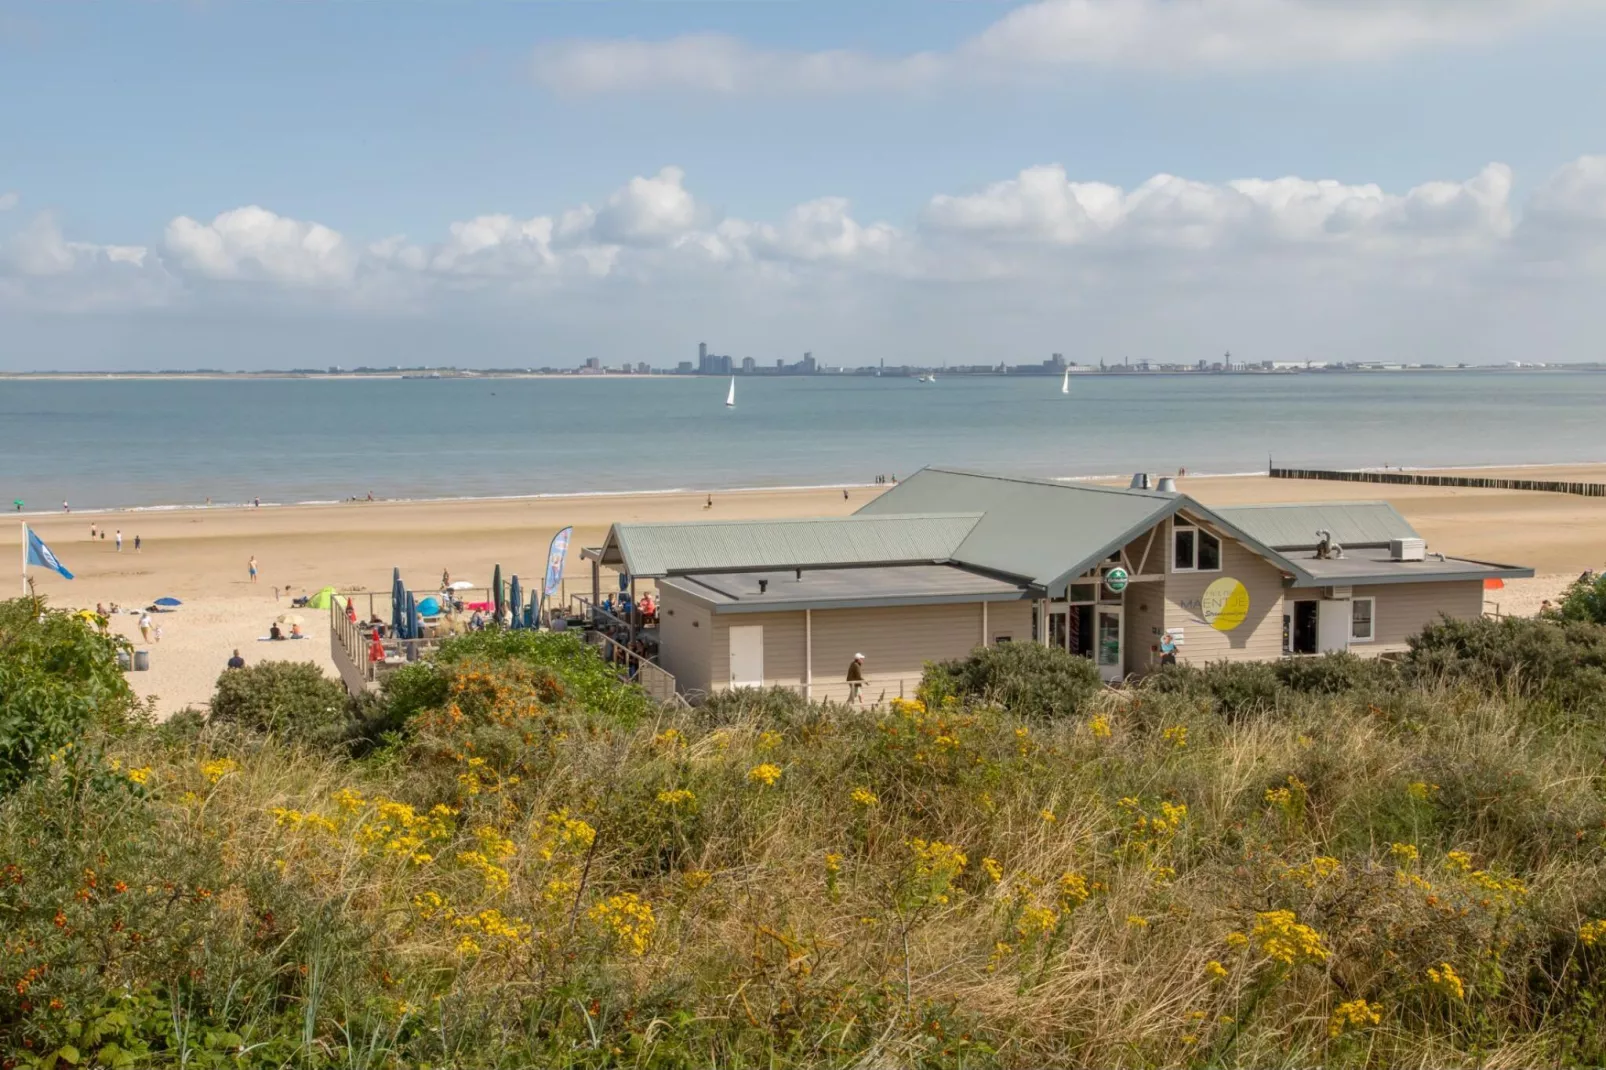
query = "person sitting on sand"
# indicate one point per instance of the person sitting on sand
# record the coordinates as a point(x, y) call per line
point(274, 632)
point(236, 662)
point(295, 632)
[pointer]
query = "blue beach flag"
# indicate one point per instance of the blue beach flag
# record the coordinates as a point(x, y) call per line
point(554, 563)
point(39, 555)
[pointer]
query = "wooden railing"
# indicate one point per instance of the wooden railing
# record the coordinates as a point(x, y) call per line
point(652, 679)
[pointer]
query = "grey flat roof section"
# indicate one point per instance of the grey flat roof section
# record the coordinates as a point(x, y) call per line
point(845, 588)
point(1370, 566)
point(1040, 530)
point(1294, 526)
point(658, 550)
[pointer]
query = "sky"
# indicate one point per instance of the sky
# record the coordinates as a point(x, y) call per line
point(262, 185)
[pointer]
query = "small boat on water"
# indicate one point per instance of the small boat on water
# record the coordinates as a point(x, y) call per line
point(730, 395)
point(1065, 385)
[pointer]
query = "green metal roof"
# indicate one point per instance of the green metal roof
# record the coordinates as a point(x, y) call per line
point(1041, 530)
point(845, 588)
point(653, 550)
point(1294, 527)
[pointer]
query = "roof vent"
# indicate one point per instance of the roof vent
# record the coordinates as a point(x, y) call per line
point(800, 575)
point(763, 585)
point(1407, 550)
point(1167, 485)
point(1140, 481)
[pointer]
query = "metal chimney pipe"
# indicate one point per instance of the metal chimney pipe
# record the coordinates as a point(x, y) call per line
point(1140, 481)
point(1167, 485)
point(763, 585)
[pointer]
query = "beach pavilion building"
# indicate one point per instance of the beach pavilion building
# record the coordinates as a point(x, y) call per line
point(947, 561)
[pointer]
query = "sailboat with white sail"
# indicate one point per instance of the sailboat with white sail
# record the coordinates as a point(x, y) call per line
point(730, 395)
point(1065, 384)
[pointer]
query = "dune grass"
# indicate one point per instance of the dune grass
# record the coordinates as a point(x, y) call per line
point(1386, 875)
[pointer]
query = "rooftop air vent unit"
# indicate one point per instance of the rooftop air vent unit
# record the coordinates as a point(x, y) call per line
point(1140, 481)
point(1407, 550)
point(763, 585)
point(1167, 485)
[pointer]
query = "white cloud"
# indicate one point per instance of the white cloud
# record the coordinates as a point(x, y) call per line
point(1041, 38)
point(1024, 259)
point(8, 201)
point(254, 243)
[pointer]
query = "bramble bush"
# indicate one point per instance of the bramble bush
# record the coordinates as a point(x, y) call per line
point(293, 699)
point(1562, 663)
point(1584, 600)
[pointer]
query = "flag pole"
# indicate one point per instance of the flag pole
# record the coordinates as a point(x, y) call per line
point(25, 559)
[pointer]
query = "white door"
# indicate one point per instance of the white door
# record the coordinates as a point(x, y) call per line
point(1107, 643)
point(1332, 625)
point(747, 655)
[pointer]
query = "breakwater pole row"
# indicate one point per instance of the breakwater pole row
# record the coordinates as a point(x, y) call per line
point(1429, 479)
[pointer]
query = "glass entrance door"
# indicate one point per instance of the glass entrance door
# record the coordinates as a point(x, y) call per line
point(1058, 628)
point(1108, 650)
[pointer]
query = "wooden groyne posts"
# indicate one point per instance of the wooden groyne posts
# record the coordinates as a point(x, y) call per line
point(1429, 479)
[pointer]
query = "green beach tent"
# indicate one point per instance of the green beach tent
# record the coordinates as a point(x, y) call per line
point(322, 600)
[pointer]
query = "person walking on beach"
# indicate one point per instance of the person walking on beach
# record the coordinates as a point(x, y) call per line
point(65, 507)
point(119, 540)
point(136, 544)
point(253, 568)
point(855, 679)
point(446, 579)
point(145, 626)
point(91, 532)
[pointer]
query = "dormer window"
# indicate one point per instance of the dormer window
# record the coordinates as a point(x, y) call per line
point(1194, 549)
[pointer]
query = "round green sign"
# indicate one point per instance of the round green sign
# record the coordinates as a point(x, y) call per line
point(1115, 579)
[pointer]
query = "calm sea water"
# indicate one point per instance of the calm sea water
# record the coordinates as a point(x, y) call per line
point(103, 443)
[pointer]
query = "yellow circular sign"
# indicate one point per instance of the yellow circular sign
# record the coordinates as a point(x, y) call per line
point(1225, 604)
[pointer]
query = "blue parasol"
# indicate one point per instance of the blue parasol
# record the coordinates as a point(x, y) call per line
point(515, 599)
point(168, 601)
point(413, 629)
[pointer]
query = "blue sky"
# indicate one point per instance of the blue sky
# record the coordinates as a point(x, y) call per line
point(381, 120)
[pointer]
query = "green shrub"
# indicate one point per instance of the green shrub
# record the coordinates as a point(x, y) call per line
point(58, 678)
point(292, 699)
point(1025, 678)
point(1335, 674)
point(577, 669)
point(1242, 688)
point(1584, 600)
point(1560, 662)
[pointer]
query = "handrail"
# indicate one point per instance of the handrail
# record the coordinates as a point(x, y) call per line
point(653, 679)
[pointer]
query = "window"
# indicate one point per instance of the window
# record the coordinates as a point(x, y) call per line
point(1194, 550)
point(1361, 620)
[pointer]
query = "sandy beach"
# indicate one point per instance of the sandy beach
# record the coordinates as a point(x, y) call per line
point(200, 556)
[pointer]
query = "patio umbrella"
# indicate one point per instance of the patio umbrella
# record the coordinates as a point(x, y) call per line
point(496, 591)
point(516, 602)
point(291, 618)
point(413, 630)
point(398, 599)
point(461, 585)
point(169, 602)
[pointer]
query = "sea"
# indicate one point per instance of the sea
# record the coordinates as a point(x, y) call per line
point(174, 443)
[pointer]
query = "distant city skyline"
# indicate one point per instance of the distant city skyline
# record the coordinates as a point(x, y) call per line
point(1298, 181)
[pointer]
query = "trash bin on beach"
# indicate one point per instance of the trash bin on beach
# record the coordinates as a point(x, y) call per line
point(142, 660)
point(124, 662)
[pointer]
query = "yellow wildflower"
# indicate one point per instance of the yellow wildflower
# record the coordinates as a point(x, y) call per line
point(669, 739)
point(1073, 889)
point(677, 797)
point(218, 768)
point(1047, 816)
point(833, 863)
point(1099, 725)
point(994, 871)
point(628, 919)
point(1313, 872)
point(1592, 932)
point(1443, 978)
point(1405, 852)
point(1281, 937)
point(1176, 735)
point(1422, 790)
point(696, 879)
point(1134, 921)
point(1035, 921)
point(1236, 940)
point(1458, 860)
point(769, 740)
point(765, 774)
point(1215, 970)
point(1355, 1014)
point(140, 775)
point(864, 797)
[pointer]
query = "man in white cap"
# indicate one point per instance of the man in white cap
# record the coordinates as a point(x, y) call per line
point(855, 678)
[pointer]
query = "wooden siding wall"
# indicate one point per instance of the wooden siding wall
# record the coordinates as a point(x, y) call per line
point(685, 632)
point(1403, 609)
point(1009, 620)
point(1145, 621)
point(1258, 638)
point(783, 647)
